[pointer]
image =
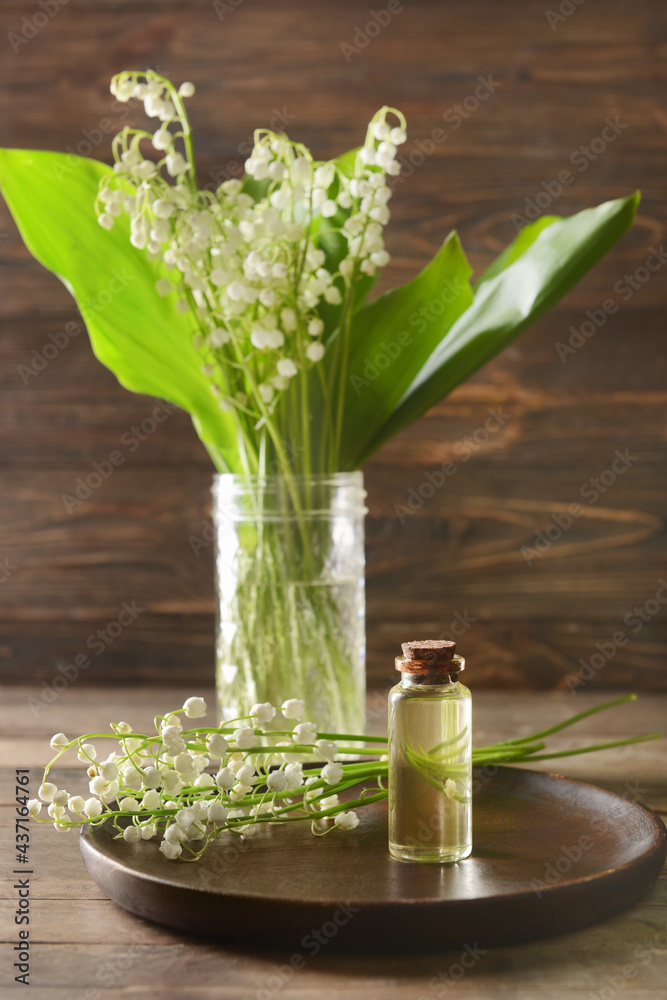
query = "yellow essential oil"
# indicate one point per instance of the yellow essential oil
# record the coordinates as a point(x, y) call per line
point(430, 756)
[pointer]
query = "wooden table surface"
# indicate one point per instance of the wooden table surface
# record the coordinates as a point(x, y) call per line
point(84, 947)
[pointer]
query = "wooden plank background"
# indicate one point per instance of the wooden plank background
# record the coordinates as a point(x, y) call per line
point(458, 557)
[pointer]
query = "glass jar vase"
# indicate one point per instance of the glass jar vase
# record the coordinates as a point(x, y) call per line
point(290, 591)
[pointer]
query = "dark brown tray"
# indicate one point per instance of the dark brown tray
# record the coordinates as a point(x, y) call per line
point(550, 855)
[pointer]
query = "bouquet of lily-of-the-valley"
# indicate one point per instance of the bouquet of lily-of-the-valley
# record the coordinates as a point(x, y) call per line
point(188, 786)
point(247, 306)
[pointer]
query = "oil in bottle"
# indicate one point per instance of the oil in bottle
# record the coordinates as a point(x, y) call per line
point(430, 756)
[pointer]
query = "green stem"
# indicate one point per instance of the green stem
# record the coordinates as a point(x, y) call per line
point(337, 737)
point(621, 700)
point(598, 746)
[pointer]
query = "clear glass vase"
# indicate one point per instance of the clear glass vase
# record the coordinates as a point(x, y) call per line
point(290, 582)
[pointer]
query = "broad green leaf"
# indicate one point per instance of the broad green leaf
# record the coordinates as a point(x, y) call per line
point(391, 340)
point(519, 245)
point(346, 162)
point(256, 189)
point(507, 303)
point(140, 336)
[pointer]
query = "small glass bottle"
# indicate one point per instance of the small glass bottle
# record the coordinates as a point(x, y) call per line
point(430, 756)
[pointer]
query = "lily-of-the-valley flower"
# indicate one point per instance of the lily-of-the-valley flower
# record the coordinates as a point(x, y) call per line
point(47, 791)
point(333, 773)
point(195, 708)
point(293, 708)
point(346, 820)
point(327, 749)
point(171, 851)
point(217, 746)
point(263, 713)
point(244, 737)
point(305, 732)
point(277, 780)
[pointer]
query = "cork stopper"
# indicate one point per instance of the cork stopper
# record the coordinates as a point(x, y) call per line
point(426, 656)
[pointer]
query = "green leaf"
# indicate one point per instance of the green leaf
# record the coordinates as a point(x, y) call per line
point(347, 162)
point(140, 336)
point(391, 340)
point(256, 189)
point(508, 302)
point(519, 245)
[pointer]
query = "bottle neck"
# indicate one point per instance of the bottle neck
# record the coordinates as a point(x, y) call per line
point(436, 678)
point(440, 675)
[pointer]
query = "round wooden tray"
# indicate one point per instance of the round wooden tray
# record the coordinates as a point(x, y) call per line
point(550, 855)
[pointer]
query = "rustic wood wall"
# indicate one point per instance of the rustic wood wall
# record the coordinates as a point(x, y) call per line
point(555, 73)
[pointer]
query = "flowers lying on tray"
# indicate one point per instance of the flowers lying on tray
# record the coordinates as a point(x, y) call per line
point(187, 787)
